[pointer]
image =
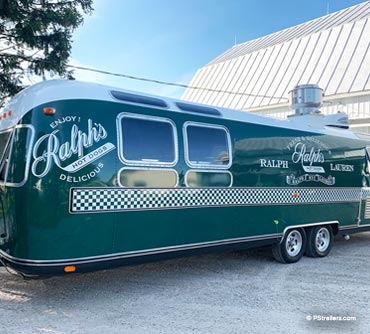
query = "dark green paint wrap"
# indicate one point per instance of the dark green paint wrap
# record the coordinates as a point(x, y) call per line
point(40, 226)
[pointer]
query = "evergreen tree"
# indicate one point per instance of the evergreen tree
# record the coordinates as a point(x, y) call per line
point(35, 37)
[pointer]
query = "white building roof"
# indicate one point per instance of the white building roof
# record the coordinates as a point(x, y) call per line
point(332, 51)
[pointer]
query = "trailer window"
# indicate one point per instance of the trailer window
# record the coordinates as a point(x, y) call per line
point(20, 156)
point(208, 179)
point(367, 159)
point(153, 178)
point(5, 139)
point(207, 146)
point(147, 140)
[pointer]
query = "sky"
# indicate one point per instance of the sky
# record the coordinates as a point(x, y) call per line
point(169, 40)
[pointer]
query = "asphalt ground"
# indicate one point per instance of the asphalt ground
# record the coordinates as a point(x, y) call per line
point(238, 292)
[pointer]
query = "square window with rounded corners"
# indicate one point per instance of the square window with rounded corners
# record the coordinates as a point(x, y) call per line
point(15, 163)
point(367, 149)
point(147, 178)
point(5, 139)
point(147, 140)
point(208, 179)
point(207, 146)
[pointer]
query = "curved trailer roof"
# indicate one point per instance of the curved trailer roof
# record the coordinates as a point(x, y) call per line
point(56, 90)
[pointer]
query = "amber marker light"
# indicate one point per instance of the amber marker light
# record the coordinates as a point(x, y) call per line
point(295, 195)
point(48, 111)
point(69, 269)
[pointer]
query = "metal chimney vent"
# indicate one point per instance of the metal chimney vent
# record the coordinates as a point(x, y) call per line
point(306, 99)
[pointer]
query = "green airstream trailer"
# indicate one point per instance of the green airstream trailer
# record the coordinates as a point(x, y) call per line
point(94, 176)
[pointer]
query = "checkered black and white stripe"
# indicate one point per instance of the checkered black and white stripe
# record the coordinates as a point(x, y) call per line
point(122, 199)
point(365, 193)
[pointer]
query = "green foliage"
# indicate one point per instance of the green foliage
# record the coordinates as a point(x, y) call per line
point(36, 34)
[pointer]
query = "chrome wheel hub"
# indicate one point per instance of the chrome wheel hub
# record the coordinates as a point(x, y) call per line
point(293, 243)
point(322, 239)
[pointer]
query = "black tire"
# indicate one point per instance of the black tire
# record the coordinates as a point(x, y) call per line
point(319, 240)
point(292, 247)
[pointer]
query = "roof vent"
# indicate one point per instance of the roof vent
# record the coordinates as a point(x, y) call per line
point(136, 98)
point(306, 99)
point(197, 108)
point(339, 120)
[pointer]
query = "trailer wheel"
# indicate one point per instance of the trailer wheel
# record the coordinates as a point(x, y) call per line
point(319, 241)
point(292, 247)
